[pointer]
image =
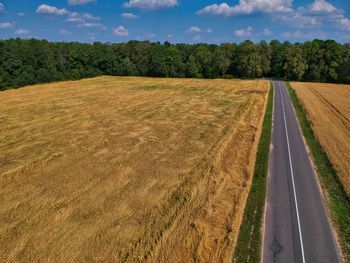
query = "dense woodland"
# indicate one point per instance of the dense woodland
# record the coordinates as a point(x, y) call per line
point(24, 62)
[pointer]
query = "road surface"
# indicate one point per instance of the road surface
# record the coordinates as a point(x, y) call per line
point(297, 227)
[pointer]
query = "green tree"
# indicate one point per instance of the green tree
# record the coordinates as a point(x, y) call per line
point(192, 68)
point(248, 60)
point(314, 58)
point(295, 66)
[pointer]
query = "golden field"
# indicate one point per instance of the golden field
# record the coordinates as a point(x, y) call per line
point(115, 169)
point(328, 108)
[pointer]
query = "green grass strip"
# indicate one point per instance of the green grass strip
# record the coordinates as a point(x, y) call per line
point(248, 245)
point(338, 200)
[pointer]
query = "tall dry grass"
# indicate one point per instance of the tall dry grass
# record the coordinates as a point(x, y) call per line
point(328, 107)
point(126, 169)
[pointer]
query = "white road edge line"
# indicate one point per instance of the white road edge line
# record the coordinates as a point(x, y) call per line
point(292, 174)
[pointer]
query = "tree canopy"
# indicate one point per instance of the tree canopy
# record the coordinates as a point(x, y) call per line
point(29, 61)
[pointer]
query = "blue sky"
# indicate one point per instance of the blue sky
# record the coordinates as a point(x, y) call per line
point(190, 21)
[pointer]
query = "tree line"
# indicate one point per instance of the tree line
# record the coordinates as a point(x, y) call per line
point(29, 61)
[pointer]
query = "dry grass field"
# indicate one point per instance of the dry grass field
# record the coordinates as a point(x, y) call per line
point(328, 107)
point(126, 169)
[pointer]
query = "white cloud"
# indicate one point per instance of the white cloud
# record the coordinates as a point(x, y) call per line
point(5, 25)
point(345, 22)
point(81, 18)
point(21, 31)
point(21, 14)
point(75, 20)
point(79, 2)
point(120, 31)
point(310, 16)
point(244, 32)
point(298, 34)
point(246, 7)
point(90, 17)
point(299, 19)
point(150, 4)
point(321, 6)
point(197, 38)
point(65, 32)
point(321, 11)
point(196, 29)
point(150, 35)
point(266, 32)
point(92, 25)
point(170, 35)
point(1, 7)
point(46, 9)
point(294, 34)
point(129, 16)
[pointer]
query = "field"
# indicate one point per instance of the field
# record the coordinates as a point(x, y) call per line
point(127, 169)
point(328, 108)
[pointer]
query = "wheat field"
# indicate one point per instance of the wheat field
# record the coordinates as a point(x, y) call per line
point(115, 169)
point(328, 108)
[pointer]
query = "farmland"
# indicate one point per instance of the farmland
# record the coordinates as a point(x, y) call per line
point(328, 108)
point(127, 169)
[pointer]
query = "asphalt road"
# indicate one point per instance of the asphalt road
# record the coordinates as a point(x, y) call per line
point(297, 227)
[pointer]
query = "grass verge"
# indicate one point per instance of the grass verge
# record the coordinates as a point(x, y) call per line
point(248, 245)
point(338, 201)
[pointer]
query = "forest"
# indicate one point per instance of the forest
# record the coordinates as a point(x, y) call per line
point(30, 61)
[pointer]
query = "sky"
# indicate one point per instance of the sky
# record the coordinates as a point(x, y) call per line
point(178, 21)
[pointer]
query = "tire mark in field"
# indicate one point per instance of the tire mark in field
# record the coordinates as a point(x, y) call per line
point(343, 118)
point(148, 246)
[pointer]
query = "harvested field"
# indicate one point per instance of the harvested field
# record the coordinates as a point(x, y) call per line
point(126, 169)
point(328, 108)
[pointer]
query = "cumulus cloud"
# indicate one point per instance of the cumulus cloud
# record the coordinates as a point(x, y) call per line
point(196, 29)
point(322, 11)
point(129, 16)
point(5, 25)
point(321, 6)
point(299, 19)
point(246, 7)
point(84, 16)
point(345, 22)
point(21, 31)
point(52, 10)
point(79, 2)
point(150, 4)
point(1, 7)
point(312, 15)
point(85, 20)
point(75, 20)
point(89, 16)
point(120, 31)
point(244, 32)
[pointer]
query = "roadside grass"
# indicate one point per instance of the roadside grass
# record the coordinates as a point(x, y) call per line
point(338, 201)
point(248, 247)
